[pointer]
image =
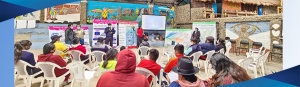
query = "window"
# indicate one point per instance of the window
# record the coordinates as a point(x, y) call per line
point(249, 7)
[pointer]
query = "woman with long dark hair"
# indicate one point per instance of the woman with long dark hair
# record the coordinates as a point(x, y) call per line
point(21, 53)
point(221, 44)
point(227, 71)
point(109, 61)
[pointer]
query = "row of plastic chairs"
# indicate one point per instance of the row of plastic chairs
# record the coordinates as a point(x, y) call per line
point(254, 63)
point(46, 67)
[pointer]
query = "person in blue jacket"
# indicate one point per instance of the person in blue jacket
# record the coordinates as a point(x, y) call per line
point(21, 53)
point(109, 31)
point(207, 46)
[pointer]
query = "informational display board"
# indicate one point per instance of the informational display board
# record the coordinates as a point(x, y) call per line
point(99, 28)
point(127, 33)
point(181, 36)
point(206, 29)
point(60, 30)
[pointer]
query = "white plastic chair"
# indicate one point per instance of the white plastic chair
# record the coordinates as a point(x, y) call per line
point(144, 53)
point(196, 57)
point(162, 78)
point(98, 57)
point(49, 74)
point(245, 62)
point(79, 73)
point(147, 73)
point(169, 51)
point(118, 48)
point(221, 51)
point(260, 63)
point(20, 68)
point(75, 55)
point(205, 62)
point(254, 52)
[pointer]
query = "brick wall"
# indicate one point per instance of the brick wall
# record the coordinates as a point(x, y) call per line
point(183, 14)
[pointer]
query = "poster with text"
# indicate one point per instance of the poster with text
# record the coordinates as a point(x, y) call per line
point(60, 30)
point(206, 29)
point(127, 33)
point(181, 36)
point(99, 28)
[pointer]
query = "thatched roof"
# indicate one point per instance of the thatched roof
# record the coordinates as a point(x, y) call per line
point(258, 2)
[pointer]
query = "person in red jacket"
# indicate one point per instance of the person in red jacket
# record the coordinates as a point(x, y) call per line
point(140, 35)
point(48, 56)
point(124, 74)
point(77, 46)
point(151, 63)
point(179, 52)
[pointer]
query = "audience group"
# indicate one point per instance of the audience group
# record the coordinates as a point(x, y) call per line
point(123, 63)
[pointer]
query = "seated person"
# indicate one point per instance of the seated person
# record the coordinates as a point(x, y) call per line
point(100, 46)
point(59, 45)
point(186, 73)
point(124, 74)
point(227, 71)
point(21, 53)
point(220, 45)
point(207, 46)
point(193, 48)
point(179, 49)
point(77, 46)
point(48, 56)
point(109, 61)
point(144, 43)
point(151, 63)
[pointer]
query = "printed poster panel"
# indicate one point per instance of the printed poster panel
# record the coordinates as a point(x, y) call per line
point(127, 33)
point(99, 28)
point(206, 29)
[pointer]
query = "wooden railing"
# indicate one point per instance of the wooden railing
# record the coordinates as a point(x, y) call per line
point(208, 13)
point(236, 13)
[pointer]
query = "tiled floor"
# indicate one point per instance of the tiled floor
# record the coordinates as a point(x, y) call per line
point(272, 65)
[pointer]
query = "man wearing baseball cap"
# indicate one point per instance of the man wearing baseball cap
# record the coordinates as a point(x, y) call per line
point(59, 45)
point(207, 46)
point(109, 31)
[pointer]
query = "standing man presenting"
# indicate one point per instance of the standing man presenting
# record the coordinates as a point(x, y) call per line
point(69, 34)
point(140, 34)
point(196, 34)
point(109, 31)
point(79, 33)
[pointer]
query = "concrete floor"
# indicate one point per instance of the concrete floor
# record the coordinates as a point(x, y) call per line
point(272, 65)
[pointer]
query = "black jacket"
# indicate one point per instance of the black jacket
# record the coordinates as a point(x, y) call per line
point(69, 34)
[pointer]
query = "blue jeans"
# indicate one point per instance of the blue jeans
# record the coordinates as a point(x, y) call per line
point(82, 41)
point(68, 42)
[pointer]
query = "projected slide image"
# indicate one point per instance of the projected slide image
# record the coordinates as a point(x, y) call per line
point(151, 22)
